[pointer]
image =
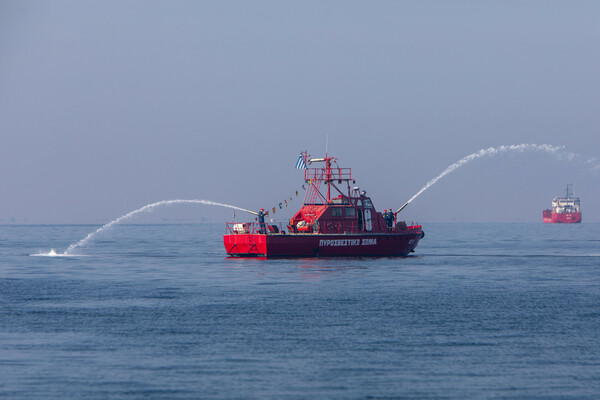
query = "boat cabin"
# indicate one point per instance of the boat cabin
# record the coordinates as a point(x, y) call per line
point(350, 211)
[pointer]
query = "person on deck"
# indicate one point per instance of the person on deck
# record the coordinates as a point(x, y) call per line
point(388, 216)
point(261, 220)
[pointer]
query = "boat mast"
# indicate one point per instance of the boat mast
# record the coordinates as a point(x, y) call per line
point(568, 190)
point(314, 177)
point(328, 175)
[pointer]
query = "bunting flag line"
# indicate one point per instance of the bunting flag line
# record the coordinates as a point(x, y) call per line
point(289, 198)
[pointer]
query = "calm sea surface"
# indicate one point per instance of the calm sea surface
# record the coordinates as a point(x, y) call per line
point(481, 311)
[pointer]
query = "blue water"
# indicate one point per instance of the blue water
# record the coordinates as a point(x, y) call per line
point(485, 311)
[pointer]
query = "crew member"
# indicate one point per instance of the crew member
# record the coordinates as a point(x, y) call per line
point(388, 216)
point(261, 220)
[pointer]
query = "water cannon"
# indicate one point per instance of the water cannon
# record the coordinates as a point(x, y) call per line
point(402, 208)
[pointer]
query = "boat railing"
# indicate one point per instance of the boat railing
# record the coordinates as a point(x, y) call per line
point(320, 174)
point(414, 226)
point(236, 228)
point(232, 228)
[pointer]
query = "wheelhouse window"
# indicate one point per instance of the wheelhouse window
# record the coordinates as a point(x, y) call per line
point(336, 212)
point(339, 200)
point(350, 212)
point(368, 203)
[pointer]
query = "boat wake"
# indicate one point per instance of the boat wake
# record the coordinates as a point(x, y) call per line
point(51, 253)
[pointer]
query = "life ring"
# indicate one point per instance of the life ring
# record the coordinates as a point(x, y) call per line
point(329, 225)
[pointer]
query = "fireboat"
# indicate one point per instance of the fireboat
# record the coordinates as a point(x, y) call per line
point(336, 219)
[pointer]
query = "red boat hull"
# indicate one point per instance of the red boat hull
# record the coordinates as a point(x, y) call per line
point(321, 245)
point(562, 218)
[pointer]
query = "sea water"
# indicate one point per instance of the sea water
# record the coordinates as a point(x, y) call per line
point(486, 311)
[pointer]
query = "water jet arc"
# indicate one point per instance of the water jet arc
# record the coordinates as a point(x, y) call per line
point(149, 207)
point(490, 151)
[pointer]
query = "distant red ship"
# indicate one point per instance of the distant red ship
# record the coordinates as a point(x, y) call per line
point(565, 210)
point(341, 221)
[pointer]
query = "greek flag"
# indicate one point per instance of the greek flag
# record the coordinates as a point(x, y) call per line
point(300, 164)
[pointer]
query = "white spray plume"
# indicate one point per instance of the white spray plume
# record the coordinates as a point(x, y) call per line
point(491, 151)
point(144, 209)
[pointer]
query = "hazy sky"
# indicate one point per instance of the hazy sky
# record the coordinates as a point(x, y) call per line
point(106, 106)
